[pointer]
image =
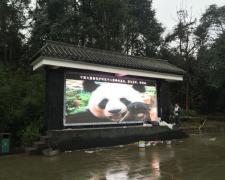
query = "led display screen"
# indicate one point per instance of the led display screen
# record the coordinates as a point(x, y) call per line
point(102, 99)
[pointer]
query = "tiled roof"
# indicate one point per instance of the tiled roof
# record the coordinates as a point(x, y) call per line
point(110, 58)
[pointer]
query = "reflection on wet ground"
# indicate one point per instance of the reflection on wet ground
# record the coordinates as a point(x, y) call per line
point(198, 157)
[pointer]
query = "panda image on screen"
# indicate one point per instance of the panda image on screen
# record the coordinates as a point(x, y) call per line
point(113, 102)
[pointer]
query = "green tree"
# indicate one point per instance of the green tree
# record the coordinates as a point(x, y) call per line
point(12, 22)
point(212, 25)
point(142, 30)
point(182, 44)
point(54, 20)
point(128, 26)
point(21, 99)
point(102, 23)
point(21, 92)
point(211, 55)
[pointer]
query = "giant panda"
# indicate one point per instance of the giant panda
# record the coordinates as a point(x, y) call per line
point(113, 102)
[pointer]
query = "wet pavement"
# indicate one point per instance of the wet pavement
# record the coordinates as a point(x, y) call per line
point(199, 157)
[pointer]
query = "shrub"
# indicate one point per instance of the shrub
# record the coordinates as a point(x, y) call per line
point(188, 113)
point(31, 133)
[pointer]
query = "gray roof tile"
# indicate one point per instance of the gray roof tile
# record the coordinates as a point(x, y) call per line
point(110, 58)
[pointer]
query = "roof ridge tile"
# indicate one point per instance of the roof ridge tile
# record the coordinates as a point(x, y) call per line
point(106, 57)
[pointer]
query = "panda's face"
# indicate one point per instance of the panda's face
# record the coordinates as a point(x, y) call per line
point(110, 100)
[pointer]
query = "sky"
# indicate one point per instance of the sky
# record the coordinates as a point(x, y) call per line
point(166, 9)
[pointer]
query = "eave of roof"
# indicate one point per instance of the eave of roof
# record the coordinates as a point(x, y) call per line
point(56, 63)
point(97, 57)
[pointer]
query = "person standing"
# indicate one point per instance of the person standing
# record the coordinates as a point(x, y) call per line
point(177, 115)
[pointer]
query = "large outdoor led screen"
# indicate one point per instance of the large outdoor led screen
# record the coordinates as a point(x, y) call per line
point(100, 99)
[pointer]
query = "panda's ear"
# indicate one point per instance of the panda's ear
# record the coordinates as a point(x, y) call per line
point(89, 86)
point(139, 87)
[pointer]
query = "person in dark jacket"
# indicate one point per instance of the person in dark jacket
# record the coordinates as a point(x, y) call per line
point(177, 115)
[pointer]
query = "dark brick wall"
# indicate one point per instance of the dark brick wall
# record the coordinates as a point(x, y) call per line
point(72, 139)
point(165, 100)
point(54, 98)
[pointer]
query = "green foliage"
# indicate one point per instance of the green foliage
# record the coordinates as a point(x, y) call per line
point(31, 133)
point(200, 52)
point(21, 99)
point(214, 61)
point(189, 113)
point(180, 48)
point(127, 26)
point(12, 22)
point(212, 24)
point(151, 90)
point(76, 101)
point(211, 58)
point(142, 30)
point(211, 34)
